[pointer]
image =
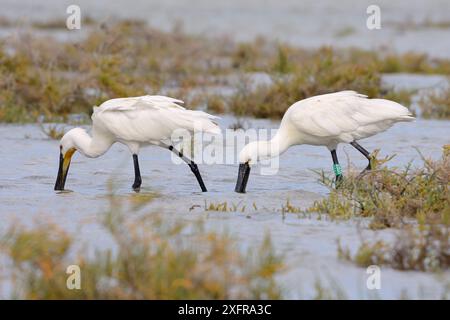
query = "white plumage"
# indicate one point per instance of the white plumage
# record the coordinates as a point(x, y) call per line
point(149, 119)
point(136, 122)
point(338, 117)
point(327, 120)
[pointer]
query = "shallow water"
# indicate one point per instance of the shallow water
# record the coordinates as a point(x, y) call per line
point(28, 160)
point(28, 164)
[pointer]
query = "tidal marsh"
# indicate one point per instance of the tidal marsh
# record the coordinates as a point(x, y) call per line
point(389, 195)
point(44, 77)
point(306, 241)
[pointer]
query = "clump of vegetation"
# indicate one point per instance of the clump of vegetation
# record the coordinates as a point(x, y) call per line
point(408, 62)
point(424, 248)
point(389, 196)
point(427, 23)
point(325, 72)
point(60, 23)
point(329, 291)
point(222, 206)
point(225, 207)
point(251, 56)
point(53, 131)
point(154, 259)
point(41, 76)
point(436, 105)
point(289, 208)
point(239, 124)
point(52, 78)
point(216, 103)
point(413, 63)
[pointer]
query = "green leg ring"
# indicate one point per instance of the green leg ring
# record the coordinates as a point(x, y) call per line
point(337, 169)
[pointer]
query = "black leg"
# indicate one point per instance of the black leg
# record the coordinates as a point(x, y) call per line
point(191, 165)
point(137, 174)
point(336, 167)
point(364, 152)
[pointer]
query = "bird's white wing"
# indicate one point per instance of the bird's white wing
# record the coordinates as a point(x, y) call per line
point(133, 103)
point(150, 118)
point(345, 112)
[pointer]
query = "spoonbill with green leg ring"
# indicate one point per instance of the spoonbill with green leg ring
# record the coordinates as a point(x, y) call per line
point(325, 120)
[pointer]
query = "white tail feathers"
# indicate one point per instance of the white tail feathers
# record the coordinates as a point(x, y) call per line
point(406, 118)
point(201, 121)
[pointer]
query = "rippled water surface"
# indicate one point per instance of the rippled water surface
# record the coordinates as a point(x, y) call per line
point(28, 160)
point(28, 165)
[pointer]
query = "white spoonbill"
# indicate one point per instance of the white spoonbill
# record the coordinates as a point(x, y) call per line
point(325, 120)
point(135, 122)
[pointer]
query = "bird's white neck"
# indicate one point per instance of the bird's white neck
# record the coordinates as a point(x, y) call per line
point(265, 149)
point(91, 147)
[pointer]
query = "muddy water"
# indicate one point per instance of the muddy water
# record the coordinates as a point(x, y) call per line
point(28, 165)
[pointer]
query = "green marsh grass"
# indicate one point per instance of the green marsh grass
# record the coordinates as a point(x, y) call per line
point(416, 202)
point(389, 196)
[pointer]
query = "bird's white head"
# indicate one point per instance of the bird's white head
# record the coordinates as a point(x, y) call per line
point(69, 143)
point(249, 154)
point(255, 152)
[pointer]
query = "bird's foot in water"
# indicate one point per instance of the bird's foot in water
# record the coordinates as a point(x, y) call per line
point(136, 186)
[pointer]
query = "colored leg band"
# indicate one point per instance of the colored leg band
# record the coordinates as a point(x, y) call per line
point(337, 169)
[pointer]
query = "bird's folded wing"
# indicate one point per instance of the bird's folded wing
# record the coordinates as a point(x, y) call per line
point(136, 103)
point(151, 118)
point(342, 112)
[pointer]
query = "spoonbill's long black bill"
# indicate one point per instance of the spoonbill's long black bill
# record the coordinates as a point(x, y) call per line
point(244, 173)
point(64, 164)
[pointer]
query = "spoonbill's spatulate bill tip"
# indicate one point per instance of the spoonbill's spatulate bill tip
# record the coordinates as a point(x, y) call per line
point(135, 122)
point(325, 120)
point(243, 174)
point(63, 170)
